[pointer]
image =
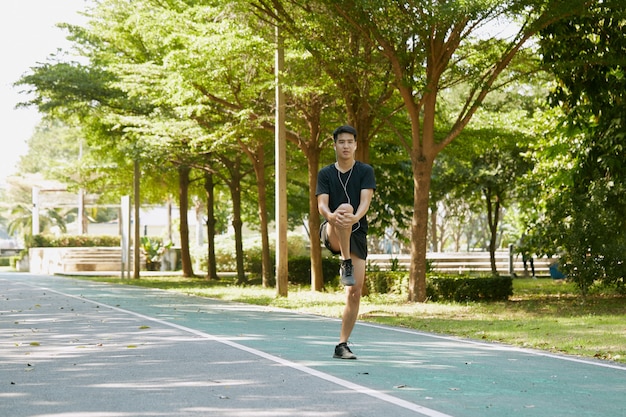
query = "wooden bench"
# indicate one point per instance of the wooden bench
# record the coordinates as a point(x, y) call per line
point(464, 263)
point(76, 259)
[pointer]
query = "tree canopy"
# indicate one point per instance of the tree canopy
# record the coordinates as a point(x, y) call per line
point(186, 89)
point(585, 197)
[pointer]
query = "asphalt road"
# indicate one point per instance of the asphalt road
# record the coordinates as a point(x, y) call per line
point(72, 348)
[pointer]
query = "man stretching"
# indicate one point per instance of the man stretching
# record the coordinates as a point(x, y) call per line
point(344, 193)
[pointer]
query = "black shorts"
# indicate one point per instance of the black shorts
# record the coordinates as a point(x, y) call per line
point(358, 242)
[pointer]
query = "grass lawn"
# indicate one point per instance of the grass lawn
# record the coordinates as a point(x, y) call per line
point(542, 314)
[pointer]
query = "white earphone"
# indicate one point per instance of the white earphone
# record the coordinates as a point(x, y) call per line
point(345, 190)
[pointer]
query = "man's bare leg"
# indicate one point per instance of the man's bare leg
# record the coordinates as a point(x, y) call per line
point(339, 237)
point(353, 300)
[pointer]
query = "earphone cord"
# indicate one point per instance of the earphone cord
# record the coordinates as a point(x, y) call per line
point(345, 186)
point(345, 191)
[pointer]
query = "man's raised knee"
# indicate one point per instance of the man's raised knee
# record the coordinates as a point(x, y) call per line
point(345, 208)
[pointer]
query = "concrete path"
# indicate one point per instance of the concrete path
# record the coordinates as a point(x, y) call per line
point(72, 348)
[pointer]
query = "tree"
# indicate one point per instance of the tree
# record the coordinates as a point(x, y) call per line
point(487, 168)
point(585, 206)
point(120, 121)
point(209, 186)
point(53, 150)
point(312, 108)
point(162, 88)
point(333, 76)
point(222, 73)
point(429, 48)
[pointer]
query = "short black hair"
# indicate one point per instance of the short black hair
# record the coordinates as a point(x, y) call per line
point(344, 129)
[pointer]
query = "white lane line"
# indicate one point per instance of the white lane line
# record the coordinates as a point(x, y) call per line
point(494, 346)
point(425, 411)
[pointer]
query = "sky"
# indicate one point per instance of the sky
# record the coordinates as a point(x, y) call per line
point(28, 35)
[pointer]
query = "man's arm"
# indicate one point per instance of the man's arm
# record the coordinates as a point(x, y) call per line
point(364, 203)
point(322, 206)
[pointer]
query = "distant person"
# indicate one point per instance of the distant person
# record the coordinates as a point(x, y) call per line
point(344, 193)
point(389, 243)
point(527, 257)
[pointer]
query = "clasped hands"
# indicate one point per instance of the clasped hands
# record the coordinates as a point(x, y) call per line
point(344, 217)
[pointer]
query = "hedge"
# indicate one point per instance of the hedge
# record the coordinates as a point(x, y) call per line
point(65, 241)
point(444, 287)
point(439, 287)
point(299, 271)
point(462, 289)
point(387, 282)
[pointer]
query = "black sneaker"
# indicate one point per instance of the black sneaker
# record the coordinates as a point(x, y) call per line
point(345, 272)
point(342, 351)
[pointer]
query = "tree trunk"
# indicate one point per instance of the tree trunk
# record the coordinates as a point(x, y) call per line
point(419, 229)
point(258, 161)
point(235, 192)
point(434, 243)
point(362, 125)
point(257, 158)
point(317, 275)
point(238, 228)
point(183, 202)
point(493, 214)
point(137, 219)
point(209, 187)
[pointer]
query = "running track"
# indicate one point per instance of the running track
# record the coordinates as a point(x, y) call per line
point(72, 348)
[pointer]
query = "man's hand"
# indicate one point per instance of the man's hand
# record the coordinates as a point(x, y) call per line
point(344, 217)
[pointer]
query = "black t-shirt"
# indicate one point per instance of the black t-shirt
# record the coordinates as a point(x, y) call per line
point(346, 187)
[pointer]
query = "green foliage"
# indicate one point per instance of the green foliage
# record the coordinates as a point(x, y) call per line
point(392, 203)
point(483, 168)
point(53, 149)
point(464, 289)
point(225, 253)
point(50, 218)
point(443, 287)
point(586, 53)
point(387, 282)
point(64, 241)
point(153, 248)
point(189, 83)
point(300, 270)
point(584, 211)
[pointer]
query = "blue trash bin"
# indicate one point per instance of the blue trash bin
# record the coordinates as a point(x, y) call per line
point(555, 273)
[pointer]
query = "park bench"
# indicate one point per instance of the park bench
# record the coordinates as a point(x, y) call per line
point(465, 263)
point(76, 259)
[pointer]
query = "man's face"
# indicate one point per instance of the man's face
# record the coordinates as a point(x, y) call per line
point(345, 145)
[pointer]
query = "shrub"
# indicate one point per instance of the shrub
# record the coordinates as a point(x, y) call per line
point(387, 282)
point(465, 288)
point(226, 260)
point(300, 270)
point(443, 287)
point(330, 270)
point(65, 241)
